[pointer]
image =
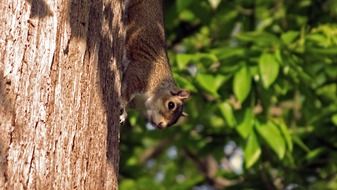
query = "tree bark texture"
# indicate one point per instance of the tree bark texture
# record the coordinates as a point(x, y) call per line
point(59, 92)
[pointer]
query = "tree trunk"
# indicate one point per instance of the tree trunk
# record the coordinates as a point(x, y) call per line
point(59, 92)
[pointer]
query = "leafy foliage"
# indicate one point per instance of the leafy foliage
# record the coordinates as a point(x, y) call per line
point(263, 113)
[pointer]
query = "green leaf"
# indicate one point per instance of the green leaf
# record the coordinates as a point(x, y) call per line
point(186, 15)
point(290, 36)
point(322, 51)
point(252, 151)
point(314, 153)
point(128, 184)
point(328, 91)
point(301, 144)
point(184, 59)
point(272, 135)
point(334, 119)
point(210, 83)
point(182, 4)
point(259, 38)
point(216, 121)
point(246, 126)
point(148, 183)
point(316, 38)
point(185, 83)
point(269, 69)
point(225, 53)
point(286, 135)
point(227, 113)
point(242, 83)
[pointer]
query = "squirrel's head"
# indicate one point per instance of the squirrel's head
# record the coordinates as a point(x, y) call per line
point(166, 107)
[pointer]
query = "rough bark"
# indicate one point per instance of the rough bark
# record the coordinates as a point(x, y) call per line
point(59, 88)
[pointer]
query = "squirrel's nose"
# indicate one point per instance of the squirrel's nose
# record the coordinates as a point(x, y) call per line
point(160, 125)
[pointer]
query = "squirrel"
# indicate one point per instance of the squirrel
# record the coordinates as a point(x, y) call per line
point(147, 81)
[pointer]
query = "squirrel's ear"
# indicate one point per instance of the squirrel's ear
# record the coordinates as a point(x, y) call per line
point(184, 94)
point(181, 93)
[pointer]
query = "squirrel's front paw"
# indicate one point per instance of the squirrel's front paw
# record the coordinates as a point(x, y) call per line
point(122, 116)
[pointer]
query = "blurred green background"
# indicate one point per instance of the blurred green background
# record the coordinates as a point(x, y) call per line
point(263, 112)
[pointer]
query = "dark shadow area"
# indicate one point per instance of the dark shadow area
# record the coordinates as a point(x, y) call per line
point(103, 35)
point(39, 8)
point(110, 44)
point(79, 19)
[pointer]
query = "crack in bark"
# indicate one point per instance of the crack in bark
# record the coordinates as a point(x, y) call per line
point(73, 142)
point(30, 167)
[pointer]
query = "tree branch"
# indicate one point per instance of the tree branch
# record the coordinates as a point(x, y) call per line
point(209, 168)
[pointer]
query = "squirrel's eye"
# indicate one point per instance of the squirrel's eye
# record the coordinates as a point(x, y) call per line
point(171, 105)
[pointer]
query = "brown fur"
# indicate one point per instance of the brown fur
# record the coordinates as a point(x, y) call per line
point(148, 73)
